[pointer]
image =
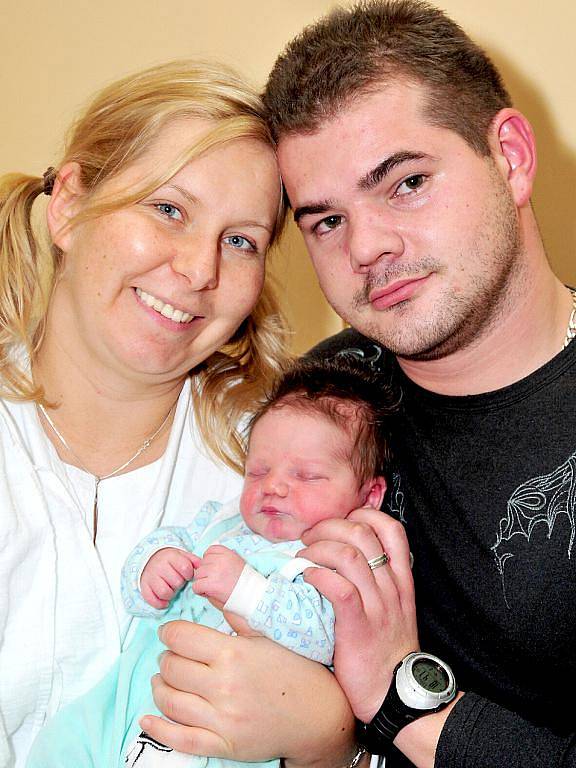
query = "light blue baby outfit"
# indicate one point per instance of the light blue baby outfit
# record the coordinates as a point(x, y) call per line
point(100, 730)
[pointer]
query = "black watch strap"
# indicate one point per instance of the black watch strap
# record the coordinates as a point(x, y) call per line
point(377, 735)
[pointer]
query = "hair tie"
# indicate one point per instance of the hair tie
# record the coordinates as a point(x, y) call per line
point(49, 176)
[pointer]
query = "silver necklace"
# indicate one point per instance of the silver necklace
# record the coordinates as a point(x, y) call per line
point(98, 478)
point(571, 330)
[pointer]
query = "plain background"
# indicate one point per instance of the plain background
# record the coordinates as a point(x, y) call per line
point(56, 54)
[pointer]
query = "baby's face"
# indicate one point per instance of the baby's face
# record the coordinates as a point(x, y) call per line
point(298, 472)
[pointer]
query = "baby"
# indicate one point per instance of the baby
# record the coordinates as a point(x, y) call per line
point(317, 449)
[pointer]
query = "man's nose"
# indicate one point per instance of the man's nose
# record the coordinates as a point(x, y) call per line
point(372, 237)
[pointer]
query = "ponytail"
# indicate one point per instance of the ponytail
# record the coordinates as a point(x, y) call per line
point(26, 270)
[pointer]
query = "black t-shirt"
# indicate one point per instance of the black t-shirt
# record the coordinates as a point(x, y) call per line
point(486, 487)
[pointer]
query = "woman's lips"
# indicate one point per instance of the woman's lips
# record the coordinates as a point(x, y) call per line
point(394, 293)
point(182, 323)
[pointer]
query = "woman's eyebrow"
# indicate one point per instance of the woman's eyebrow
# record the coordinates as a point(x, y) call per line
point(184, 192)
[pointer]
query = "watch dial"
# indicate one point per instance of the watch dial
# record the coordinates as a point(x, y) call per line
point(431, 676)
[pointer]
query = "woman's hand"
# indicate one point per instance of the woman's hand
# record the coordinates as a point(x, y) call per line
point(374, 609)
point(248, 699)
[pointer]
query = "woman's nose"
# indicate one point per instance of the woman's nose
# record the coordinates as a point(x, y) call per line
point(199, 262)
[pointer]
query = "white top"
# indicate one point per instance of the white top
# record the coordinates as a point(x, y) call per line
point(61, 620)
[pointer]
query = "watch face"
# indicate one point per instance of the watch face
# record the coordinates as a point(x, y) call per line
point(431, 676)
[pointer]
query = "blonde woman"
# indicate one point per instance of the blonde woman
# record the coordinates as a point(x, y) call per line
point(131, 344)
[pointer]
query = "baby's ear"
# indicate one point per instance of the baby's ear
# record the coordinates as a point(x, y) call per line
point(373, 491)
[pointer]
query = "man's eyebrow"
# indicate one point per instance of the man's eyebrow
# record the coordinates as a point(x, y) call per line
point(308, 210)
point(375, 176)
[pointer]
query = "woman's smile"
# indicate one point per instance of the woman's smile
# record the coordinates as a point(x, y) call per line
point(166, 310)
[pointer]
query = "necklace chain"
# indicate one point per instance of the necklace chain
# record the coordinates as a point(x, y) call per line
point(98, 478)
point(570, 334)
point(571, 330)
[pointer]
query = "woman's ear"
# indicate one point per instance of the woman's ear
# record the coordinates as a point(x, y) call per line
point(63, 204)
point(373, 492)
point(514, 149)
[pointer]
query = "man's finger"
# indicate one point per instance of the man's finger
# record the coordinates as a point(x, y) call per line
point(347, 531)
point(392, 536)
point(352, 564)
point(344, 596)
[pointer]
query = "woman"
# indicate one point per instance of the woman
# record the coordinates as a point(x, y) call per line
point(150, 303)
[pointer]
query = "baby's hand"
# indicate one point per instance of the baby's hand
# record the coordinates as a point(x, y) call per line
point(164, 574)
point(217, 573)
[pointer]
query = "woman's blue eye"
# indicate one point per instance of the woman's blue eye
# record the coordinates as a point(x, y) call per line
point(240, 242)
point(169, 210)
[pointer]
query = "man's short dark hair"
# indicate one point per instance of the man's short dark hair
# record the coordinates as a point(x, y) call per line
point(349, 394)
point(356, 51)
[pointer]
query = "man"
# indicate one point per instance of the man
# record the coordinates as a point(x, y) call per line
point(409, 173)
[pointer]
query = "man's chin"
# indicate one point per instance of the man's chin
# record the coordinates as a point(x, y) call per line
point(422, 345)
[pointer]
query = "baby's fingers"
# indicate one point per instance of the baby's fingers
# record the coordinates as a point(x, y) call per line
point(183, 564)
point(151, 598)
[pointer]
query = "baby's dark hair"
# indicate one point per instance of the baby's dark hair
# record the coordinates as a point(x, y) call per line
point(348, 393)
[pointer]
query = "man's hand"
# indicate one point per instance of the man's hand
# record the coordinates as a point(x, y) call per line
point(165, 573)
point(217, 572)
point(374, 609)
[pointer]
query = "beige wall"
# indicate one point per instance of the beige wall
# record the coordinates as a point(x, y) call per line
point(55, 54)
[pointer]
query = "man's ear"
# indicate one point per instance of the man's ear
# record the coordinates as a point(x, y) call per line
point(373, 492)
point(63, 204)
point(514, 148)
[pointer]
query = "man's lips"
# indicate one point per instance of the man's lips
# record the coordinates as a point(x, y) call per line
point(394, 293)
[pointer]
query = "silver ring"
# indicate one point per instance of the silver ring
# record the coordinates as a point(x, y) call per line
point(376, 562)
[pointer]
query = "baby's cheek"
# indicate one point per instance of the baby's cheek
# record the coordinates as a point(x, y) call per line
point(313, 507)
point(247, 499)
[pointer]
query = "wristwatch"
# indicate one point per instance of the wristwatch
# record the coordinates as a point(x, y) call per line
point(421, 685)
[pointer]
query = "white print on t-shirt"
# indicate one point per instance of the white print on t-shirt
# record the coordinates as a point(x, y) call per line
point(538, 500)
point(396, 505)
point(369, 358)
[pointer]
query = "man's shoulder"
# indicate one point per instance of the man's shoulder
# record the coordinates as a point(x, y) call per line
point(351, 343)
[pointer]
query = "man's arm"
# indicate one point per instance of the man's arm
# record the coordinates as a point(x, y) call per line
point(479, 732)
point(376, 628)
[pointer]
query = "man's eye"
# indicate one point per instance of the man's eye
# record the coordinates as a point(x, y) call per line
point(328, 224)
point(240, 242)
point(169, 210)
point(411, 184)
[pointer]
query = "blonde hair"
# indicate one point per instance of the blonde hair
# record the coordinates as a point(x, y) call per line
point(117, 129)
